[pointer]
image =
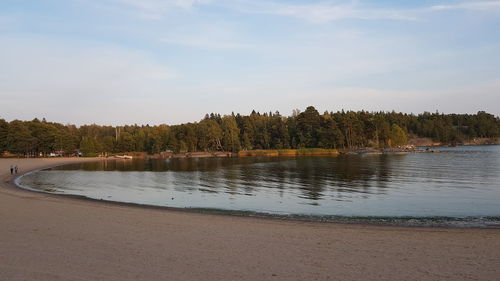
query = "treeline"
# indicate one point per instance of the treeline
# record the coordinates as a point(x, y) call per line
point(235, 132)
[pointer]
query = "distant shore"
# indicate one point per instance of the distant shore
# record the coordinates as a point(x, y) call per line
point(425, 142)
point(411, 147)
point(414, 145)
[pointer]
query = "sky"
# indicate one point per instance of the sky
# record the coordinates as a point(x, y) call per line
point(116, 62)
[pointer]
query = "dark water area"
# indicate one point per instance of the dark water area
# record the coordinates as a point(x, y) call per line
point(458, 182)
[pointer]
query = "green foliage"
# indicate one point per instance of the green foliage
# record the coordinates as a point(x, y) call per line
point(254, 132)
point(212, 134)
point(398, 135)
point(4, 131)
point(19, 138)
point(88, 147)
point(126, 142)
point(230, 132)
point(308, 127)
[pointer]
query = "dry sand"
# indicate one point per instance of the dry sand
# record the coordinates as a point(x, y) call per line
point(46, 237)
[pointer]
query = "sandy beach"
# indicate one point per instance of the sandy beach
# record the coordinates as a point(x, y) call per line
point(46, 237)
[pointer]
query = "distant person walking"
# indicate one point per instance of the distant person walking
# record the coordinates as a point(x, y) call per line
point(11, 169)
point(15, 169)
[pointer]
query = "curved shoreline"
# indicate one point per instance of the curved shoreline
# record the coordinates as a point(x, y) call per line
point(403, 221)
point(47, 237)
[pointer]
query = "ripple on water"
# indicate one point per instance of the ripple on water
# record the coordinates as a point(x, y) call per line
point(461, 182)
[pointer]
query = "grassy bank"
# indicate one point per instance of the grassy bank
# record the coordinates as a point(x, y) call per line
point(289, 152)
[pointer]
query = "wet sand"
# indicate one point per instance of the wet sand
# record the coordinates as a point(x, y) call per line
point(46, 237)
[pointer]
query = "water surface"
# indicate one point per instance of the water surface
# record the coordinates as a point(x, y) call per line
point(458, 182)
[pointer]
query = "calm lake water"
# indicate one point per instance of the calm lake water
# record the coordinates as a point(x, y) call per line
point(458, 182)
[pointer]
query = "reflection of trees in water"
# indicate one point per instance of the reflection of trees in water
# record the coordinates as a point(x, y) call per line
point(249, 179)
point(383, 171)
point(209, 181)
point(231, 180)
point(109, 165)
point(341, 176)
point(161, 165)
point(281, 176)
point(313, 177)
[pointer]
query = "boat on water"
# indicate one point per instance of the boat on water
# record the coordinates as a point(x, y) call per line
point(123, 156)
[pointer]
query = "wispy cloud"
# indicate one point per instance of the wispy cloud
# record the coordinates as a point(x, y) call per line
point(69, 79)
point(86, 60)
point(313, 11)
point(157, 9)
point(212, 36)
point(316, 12)
point(328, 11)
point(474, 6)
point(207, 44)
point(324, 12)
point(321, 12)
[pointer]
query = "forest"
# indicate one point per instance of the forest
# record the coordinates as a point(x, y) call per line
point(236, 132)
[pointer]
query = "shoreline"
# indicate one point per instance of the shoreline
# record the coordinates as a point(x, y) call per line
point(487, 222)
point(308, 152)
point(41, 234)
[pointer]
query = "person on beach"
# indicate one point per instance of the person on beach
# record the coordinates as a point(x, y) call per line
point(15, 169)
point(11, 169)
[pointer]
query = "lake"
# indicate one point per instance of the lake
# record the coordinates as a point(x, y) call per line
point(458, 182)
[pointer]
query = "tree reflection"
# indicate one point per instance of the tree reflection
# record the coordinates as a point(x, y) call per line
point(313, 178)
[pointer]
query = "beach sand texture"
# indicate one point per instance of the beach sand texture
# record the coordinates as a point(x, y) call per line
point(45, 237)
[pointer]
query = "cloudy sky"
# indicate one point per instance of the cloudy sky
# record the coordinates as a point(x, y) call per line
point(171, 61)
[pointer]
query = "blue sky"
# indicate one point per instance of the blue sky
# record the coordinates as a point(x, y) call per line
point(171, 61)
